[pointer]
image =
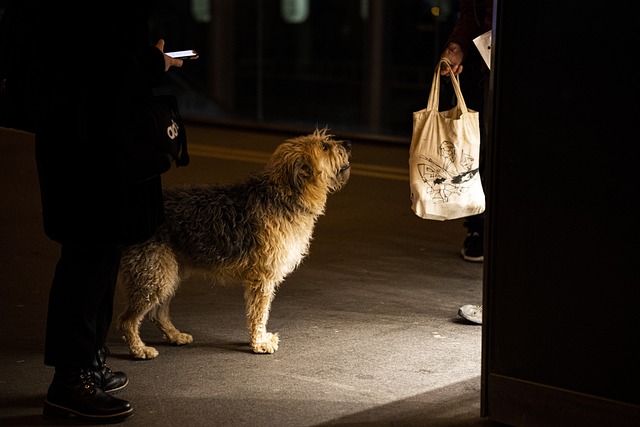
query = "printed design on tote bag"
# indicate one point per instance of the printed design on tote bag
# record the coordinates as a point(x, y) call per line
point(446, 176)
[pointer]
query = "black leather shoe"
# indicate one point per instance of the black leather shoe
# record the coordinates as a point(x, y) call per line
point(74, 393)
point(104, 377)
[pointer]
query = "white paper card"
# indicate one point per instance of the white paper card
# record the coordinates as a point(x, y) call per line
point(483, 43)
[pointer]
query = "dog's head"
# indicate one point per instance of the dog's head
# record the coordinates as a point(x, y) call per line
point(312, 163)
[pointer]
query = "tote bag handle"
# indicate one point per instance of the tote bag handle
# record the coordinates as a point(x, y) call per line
point(434, 95)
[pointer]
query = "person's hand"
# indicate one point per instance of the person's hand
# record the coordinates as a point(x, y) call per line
point(168, 61)
point(453, 53)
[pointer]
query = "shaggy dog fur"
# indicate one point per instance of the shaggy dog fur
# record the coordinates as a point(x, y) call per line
point(256, 231)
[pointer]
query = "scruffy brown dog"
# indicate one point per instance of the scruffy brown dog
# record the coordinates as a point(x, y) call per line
point(256, 231)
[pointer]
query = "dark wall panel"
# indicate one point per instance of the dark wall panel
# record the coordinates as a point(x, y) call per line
point(561, 268)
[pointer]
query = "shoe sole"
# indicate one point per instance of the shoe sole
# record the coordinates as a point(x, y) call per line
point(471, 258)
point(55, 411)
point(117, 389)
point(470, 319)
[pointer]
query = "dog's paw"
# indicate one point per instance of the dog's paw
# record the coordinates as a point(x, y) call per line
point(144, 352)
point(267, 343)
point(181, 339)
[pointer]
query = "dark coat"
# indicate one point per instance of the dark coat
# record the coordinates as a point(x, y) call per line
point(98, 66)
point(476, 18)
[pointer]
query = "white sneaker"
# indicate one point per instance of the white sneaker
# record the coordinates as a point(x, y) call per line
point(473, 313)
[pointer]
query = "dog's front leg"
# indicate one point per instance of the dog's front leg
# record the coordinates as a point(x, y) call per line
point(258, 304)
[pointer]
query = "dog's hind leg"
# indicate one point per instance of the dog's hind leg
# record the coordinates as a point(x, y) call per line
point(129, 322)
point(160, 317)
point(258, 304)
point(150, 275)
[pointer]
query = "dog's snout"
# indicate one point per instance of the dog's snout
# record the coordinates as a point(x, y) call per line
point(347, 145)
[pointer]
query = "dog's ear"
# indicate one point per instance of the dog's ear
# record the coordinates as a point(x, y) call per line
point(301, 174)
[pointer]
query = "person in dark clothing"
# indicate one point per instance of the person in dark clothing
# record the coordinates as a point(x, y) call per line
point(105, 68)
point(475, 18)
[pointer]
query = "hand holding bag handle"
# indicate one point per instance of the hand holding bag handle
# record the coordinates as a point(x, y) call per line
point(434, 95)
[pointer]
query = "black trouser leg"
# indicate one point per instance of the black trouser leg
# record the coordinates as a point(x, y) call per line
point(80, 305)
point(475, 223)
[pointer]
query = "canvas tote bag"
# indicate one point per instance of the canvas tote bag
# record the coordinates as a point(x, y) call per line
point(444, 157)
